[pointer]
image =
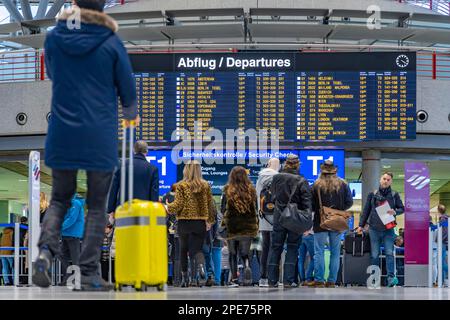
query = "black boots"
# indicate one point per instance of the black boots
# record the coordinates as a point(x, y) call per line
point(201, 274)
point(41, 276)
point(184, 280)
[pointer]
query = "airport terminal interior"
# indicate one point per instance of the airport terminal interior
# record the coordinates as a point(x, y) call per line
point(364, 83)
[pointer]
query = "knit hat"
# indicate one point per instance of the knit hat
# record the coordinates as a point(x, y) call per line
point(328, 167)
point(96, 5)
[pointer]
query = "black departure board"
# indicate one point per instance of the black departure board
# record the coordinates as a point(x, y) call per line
point(306, 96)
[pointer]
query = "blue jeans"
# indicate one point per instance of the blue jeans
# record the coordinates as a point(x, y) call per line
point(444, 261)
point(217, 261)
point(387, 238)
point(320, 240)
point(207, 250)
point(279, 236)
point(7, 269)
point(306, 247)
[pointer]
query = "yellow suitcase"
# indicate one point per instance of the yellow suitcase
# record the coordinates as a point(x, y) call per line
point(141, 238)
point(141, 245)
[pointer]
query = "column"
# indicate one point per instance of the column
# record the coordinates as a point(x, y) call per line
point(371, 170)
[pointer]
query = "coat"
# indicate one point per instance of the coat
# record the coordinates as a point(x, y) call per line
point(73, 224)
point(340, 200)
point(7, 240)
point(193, 206)
point(281, 189)
point(239, 224)
point(145, 183)
point(89, 67)
point(264, 179)
point(370, 215)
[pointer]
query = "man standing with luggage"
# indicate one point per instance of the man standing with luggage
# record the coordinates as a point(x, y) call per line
point(378, 232)
point(89, 67)
point(288, 182)
point(145, 179)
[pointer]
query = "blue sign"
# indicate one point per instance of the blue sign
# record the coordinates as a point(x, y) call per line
point(166, 168)
point(312, 159)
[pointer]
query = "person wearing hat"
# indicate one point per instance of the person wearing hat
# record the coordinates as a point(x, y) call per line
point(335, 193)
point(379, 232)
point(89, 68)
point(283, 184)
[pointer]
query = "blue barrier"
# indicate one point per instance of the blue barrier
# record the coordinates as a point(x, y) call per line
point(12, 225)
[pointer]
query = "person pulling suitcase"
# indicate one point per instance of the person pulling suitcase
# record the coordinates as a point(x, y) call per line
point(88, 67)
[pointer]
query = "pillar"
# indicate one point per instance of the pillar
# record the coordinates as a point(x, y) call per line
point(371, 170)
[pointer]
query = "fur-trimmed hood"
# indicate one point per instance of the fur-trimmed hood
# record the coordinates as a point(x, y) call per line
point(89, 17)
point(80, 31)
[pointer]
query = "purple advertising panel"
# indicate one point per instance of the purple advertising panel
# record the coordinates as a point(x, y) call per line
point(417, 212)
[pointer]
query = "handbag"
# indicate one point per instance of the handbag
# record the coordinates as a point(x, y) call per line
point(333, 219)
point(294, 219)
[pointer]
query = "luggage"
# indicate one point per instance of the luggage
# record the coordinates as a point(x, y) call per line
point(354, 270)
point(356, 259)
point(357, 244)
point(141, 237)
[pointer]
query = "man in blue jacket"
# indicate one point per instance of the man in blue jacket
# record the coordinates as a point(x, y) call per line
point(72, 233)
point(89, 67)
point(378, 232)
point(145, 179)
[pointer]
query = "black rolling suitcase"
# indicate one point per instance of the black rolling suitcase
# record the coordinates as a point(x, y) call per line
point(356, 259)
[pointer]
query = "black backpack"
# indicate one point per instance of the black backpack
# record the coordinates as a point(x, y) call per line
point(266, 202)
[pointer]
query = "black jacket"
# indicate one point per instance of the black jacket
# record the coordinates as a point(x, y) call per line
point(370, 215)
point(145, 185)
point(281, 188)
point(340, 200)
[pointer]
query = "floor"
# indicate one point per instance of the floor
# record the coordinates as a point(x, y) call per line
point(221, 293)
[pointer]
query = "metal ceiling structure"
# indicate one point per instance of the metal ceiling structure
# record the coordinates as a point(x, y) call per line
point(240, 25)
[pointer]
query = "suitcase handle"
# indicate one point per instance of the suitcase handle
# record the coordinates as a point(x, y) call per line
point(130, 164)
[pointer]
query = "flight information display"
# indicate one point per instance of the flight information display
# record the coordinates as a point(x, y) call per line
point(305, 96)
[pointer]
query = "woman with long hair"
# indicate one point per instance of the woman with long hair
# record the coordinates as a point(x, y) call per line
point(334, 193)
point(241, 220)
point(193, 208)
point(43, 206)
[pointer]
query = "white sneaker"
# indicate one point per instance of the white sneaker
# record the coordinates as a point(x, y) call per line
point(446, 283)
point(264, 283)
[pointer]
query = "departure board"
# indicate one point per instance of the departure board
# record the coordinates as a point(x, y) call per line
point(305, 96)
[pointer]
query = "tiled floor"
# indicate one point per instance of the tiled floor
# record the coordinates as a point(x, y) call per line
point(220, 293)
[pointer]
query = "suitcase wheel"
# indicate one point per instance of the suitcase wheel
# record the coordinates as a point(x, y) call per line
point(118, 287)
point(162, 287)
point(140, 287)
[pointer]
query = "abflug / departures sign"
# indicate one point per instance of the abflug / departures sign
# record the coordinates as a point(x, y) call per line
point(232, 63)
point(275, 61)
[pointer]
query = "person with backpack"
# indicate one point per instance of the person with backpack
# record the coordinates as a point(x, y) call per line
point(378, 232)
point(241, 221)
point(287, 187)
point(265, 209)
point(328, 191)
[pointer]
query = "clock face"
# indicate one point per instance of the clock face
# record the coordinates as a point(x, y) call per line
point(402, 61)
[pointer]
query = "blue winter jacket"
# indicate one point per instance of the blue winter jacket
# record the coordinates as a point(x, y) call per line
point(73, 225)
point(89, 68)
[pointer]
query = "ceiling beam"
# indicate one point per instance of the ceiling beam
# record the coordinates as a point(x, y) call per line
point(26, 9)
point(53, 11)
point(12, 9)
point(42, 9)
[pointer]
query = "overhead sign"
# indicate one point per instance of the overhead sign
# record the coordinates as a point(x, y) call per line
point(312, 159)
